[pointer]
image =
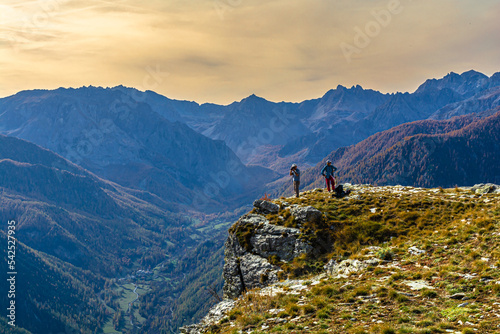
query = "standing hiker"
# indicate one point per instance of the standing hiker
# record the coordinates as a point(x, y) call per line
point(295, 173)
point(327, 172)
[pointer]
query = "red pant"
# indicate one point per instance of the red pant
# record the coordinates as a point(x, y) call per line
point(330, 180)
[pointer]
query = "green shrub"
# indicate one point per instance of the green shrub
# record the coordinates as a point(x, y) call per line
point(385, 254)
point(308, 309)
point(388, 330)
point(397, 277)
point(363, 290)
point(323, 314)
point(428, 293)
point(292, 309)
point(274, 260)
point(233, 314)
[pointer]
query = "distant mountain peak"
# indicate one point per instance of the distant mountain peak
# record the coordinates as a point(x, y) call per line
point(472, 73)
point(253, 96)
point(450, 75)
point(465, 75)
point(342, 89)
point(467, 84)
point(253, 99)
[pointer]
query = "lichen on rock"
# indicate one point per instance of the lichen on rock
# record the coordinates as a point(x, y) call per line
point(305, 214)
point(265, 206)
point(488, 188)
point(251, 243)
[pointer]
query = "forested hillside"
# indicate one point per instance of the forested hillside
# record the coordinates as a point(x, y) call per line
point(460, 151)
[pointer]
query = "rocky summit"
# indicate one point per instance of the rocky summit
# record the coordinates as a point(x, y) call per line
point(388, 259)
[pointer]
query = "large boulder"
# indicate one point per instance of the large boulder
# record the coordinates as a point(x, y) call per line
point(305, 214)
point(265, 207)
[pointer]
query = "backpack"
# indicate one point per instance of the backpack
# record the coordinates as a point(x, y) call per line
point(340, 193)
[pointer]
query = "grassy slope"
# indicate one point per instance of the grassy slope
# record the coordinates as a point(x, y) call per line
point(459, 233)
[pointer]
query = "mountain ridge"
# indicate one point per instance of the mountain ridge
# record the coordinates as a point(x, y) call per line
point(310, 129)
point(125, 141)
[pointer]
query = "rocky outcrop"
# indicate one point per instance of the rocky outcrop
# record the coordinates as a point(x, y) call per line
point(215, 314)
point(265, 207)
point(252, 249)
point(347, 267)
point(488, 188)
point(282, 242)
point(253, 243)
point(415, 251)
point(305, 214)
point(247, 272)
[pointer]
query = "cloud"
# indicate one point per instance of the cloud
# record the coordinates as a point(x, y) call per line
point(223, 50)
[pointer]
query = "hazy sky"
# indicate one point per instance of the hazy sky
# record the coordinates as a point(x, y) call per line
point(223, 50)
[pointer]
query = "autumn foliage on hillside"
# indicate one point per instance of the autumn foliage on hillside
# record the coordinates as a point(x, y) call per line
point(461, 151)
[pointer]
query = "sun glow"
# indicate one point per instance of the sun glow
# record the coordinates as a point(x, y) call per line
point(221, 51)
